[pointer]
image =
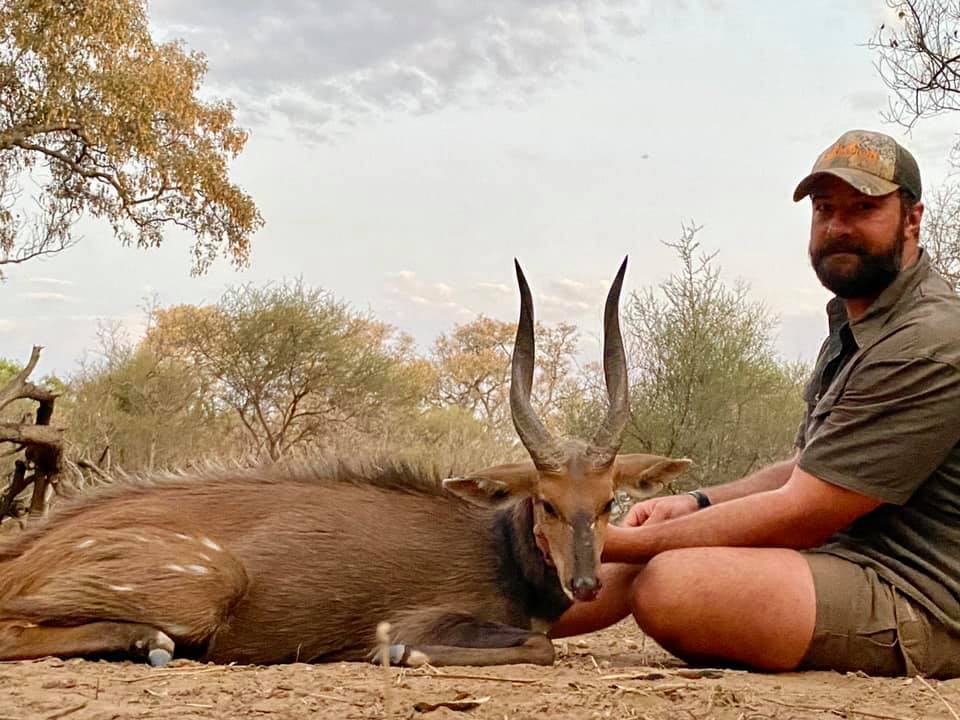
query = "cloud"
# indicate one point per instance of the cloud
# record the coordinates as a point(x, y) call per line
point(406, 286)
point(7, 325)
point(574, 291)
point(47, 297)
point(562, 300)
point(492, 292)
point(323, 65)
point(48, 281)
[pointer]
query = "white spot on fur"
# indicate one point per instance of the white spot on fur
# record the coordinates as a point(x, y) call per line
point(204, 556)
point(175, 630)
point(176, 568)
point(120, 588)
point(86, 543)
point(211, 544)
point(140, 538)
point(182, 536)
point(198, 569)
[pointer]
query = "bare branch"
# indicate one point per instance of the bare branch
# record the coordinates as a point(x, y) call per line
point(96, 470)
point(31, 434)
point(919, 59)
point(20, 389)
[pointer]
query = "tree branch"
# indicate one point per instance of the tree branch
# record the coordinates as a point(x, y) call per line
point(31, 434)
point(20, 389)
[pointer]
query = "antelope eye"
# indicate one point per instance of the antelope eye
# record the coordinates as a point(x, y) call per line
point(608, 508)
point(548, 508)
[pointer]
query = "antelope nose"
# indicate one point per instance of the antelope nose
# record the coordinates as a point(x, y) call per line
point(585, 589)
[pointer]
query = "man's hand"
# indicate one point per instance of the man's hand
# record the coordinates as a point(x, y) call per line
point(656, 510)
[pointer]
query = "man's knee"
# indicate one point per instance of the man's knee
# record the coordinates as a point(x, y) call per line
point(694, 602)
point(660, 591)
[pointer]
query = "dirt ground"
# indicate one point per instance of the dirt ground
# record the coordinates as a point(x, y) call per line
point(613, 674)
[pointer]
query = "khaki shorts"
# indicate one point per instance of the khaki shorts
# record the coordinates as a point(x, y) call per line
point(865, 623)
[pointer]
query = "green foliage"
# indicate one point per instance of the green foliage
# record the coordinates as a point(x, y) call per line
point(451, 439)
point(8, 368)
point(286, 370)
point(706, 381)
point(472, 371)
point(150, 411)
point(298, 368)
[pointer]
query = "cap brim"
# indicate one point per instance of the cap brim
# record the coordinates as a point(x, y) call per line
point(858, 179)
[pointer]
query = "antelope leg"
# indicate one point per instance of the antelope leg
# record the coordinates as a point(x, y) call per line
point(460, 639)
point(26, 641)
point(536, 649)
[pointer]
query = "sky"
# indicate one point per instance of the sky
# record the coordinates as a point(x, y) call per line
point(403, 152)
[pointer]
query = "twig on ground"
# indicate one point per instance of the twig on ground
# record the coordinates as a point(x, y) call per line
point(68, 711)
point(177, 672)
point(836, 710)
point(466, 676)
point(626, 689)
point(688, 674)
point(334, 698)
point(936, 692)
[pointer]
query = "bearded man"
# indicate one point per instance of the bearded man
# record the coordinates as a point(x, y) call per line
point(847, 555)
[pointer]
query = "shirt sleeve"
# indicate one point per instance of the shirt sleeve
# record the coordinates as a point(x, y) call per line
point(800, 439)
point(893, 425)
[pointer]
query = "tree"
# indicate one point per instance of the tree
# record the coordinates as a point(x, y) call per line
point(109, 123)
point(705, 380)
point(298, 367)
point(918, 59)
point(472, 365)
point(473, 369)
point(142, 410)
point(39, 441)
point(941, 231)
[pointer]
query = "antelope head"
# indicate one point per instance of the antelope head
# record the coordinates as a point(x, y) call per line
point(572, 482)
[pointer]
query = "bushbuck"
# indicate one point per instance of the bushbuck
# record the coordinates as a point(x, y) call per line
point(282, 565)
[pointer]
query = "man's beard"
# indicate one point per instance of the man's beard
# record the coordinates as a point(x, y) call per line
point(865, 277)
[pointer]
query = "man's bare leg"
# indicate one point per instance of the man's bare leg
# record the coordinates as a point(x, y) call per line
point(755, 606)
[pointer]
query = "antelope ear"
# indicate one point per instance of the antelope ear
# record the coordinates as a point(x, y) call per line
point(495, 486)
point(641, 476)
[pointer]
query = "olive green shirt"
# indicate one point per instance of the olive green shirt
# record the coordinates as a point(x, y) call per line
point(883, 420)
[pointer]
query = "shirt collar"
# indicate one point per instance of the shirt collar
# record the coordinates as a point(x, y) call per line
point(867, 327)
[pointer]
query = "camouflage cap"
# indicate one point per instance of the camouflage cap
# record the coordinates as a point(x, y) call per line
point(871, 162)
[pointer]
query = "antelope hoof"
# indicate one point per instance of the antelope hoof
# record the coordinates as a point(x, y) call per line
point(396, 655)
point(159, 657)
point(402, 655)
point(158, 647)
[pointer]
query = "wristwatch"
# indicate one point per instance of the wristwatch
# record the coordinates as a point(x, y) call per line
point(701, 498)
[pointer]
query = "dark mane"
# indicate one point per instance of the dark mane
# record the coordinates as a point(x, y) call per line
point(389, 475)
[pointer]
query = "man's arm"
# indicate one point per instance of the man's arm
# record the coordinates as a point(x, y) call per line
point(765, 479)
point(666, 507)
point(803, 512)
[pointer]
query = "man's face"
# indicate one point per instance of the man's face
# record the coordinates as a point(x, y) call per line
point(857, 241)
